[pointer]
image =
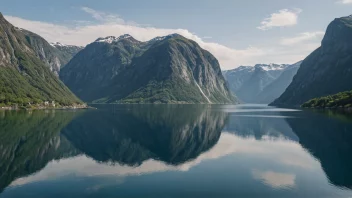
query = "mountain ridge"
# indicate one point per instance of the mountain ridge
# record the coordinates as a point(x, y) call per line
point(170, 69)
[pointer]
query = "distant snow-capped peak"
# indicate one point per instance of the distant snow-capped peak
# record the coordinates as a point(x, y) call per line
point(111, 39)
point(239, 69)
point(271, 66)
point(58, 44)
point(265, 67)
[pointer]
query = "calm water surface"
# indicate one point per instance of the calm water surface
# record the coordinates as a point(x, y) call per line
point(175, 151)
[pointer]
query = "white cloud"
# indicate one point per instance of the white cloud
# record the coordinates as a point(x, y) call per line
point(106, 24)
point(282, 18)
point(306, 36)
point(106, 17)
point(345, 1)
point(275, 179)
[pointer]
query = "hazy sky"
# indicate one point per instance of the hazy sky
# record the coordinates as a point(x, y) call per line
point(237, 32)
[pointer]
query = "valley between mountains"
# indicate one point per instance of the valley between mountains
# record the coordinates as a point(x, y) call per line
point(169, 69)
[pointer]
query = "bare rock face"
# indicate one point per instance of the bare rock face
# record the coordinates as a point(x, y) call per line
point(55, 56)
point(326, 71)
point(169, 69)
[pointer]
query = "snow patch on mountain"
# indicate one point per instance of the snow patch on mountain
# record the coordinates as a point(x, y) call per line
point(160, 38)
point(271, 66)
point(111, 39)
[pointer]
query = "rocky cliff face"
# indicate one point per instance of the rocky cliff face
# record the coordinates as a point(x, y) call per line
point(55, 56)
point(328, 70)
point(23, 76)
point(169, 69)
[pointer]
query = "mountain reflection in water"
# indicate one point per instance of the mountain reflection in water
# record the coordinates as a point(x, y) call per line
point(259, 150)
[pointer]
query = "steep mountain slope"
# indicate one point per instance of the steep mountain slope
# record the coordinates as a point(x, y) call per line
point(169, 69)
point(54, 56)
point(248, 82)
point(279, 85)
point(328, 70)
point(24, 77)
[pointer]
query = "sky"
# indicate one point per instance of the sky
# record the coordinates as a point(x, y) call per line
point(236, 32)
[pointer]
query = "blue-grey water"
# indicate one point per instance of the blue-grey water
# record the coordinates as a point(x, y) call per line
point(175, 151)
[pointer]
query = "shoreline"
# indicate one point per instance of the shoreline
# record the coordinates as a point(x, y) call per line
point(341, 109)
point(75, 107)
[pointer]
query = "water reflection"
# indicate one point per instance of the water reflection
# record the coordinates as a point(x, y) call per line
point(175, 150)
point(173, 134)
point(29, 140)
point(330, 140)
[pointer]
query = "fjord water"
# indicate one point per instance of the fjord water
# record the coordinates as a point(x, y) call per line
point(175, 151)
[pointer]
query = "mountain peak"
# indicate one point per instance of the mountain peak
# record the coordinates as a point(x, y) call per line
point(160, 38)
point(271, 66)
point(125, 36)
point(2, 18)
point(111, 39)
point(57, 44)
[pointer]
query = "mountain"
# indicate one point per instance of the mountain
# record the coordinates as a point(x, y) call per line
point(169, 69)
point(69, 50)
point(23, 76)
point(238, 76)
point(55, 56)
point(326, 71)
point(248, 82)
point(279, 85)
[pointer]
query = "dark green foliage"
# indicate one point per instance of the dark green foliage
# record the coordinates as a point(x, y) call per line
point(24, 78)
point(340, 100)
